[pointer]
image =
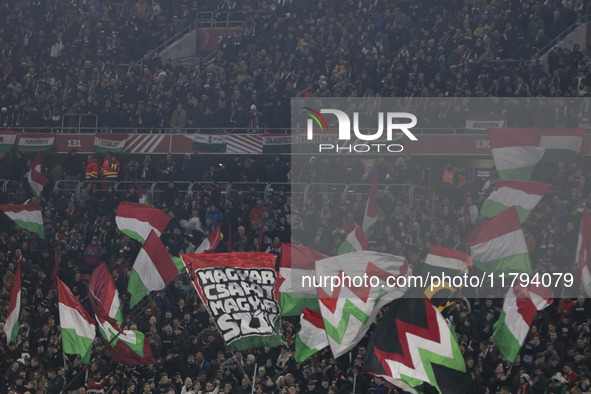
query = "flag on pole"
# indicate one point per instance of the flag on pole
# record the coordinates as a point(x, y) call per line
point(78, 329)
point(138, 220)
point(241, 293)
point(129, 347)
point(296, 263)
point(261, 234)
point(498, 245)
point(311, 338)
point(371, 208)
point(348, 308)
point(14, 308)
point(583, 253)
point(36, 180)
point(523, 195)
point(519, 309)
point(515, 152)
point(211, 242)
point(356, 241)
point(152, 270)
point(28, 217)
point(414, 349)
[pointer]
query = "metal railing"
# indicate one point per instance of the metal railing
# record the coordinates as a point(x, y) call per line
point(330, 189)
point(213, 19)
point(214, 130)
point(80, 116)
point(156, 191)
point(423, 199)
point(65, 183)
point(562, 35)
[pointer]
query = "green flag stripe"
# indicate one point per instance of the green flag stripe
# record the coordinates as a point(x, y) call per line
point(30, 226)
point(349, 308)
point(303, 352)
point(133, 235)
point(292, 304)
point(518, 263)
point(136, 288)
point(522, 174)
point(505, 340)
point(75, 344)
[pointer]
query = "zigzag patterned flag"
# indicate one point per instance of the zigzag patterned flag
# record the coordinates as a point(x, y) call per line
point(414, 349)
point(349, 307)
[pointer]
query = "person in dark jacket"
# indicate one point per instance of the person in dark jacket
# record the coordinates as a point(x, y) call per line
point(278, 172)
point(72, 166)
point(255, 171)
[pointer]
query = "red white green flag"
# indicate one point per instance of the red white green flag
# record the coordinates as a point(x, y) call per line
point(519, 310)
point(28, 217)
point(130, 347)
point(152, 270)
point(498, 245)
point(138, 220)
point(36, 180)
point(516, 152)
point(14, 308)
point(78, 329)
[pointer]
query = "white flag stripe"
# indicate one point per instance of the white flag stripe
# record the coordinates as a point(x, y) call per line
point(515, 157)
point(72, 319)
point(352, 239)
point(293, 281)
point(568, 142)
point(26, 216)
point(514, 320)
point(9, 325)
point(446, 262)
point(509, 197)
point(506, 245)
point(312, 336)
point(148, 272)
point(203, 247)
point(141, 228)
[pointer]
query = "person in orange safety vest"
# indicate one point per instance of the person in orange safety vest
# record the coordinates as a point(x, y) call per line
point(92, 171)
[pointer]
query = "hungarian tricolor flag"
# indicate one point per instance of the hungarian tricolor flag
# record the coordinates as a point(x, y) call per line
point(414, 349)
point(78, 329)
point(562, 145)
point(583, 253)
point(130, 347)
point(523, 195)
point(28, 217)
point(152, 270)
point(311, 338)
point(14, 308)
point(498, 245)
point(516, 152)
point(356, 241)
point(211, 242)
point(138, 220)
point(371, 208)
point(519, 309)
point(36, 180)
point(296, 262)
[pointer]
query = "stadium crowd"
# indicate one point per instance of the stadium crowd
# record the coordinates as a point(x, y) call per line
point(80, 58)
point(96, 59)
point(191, 355)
